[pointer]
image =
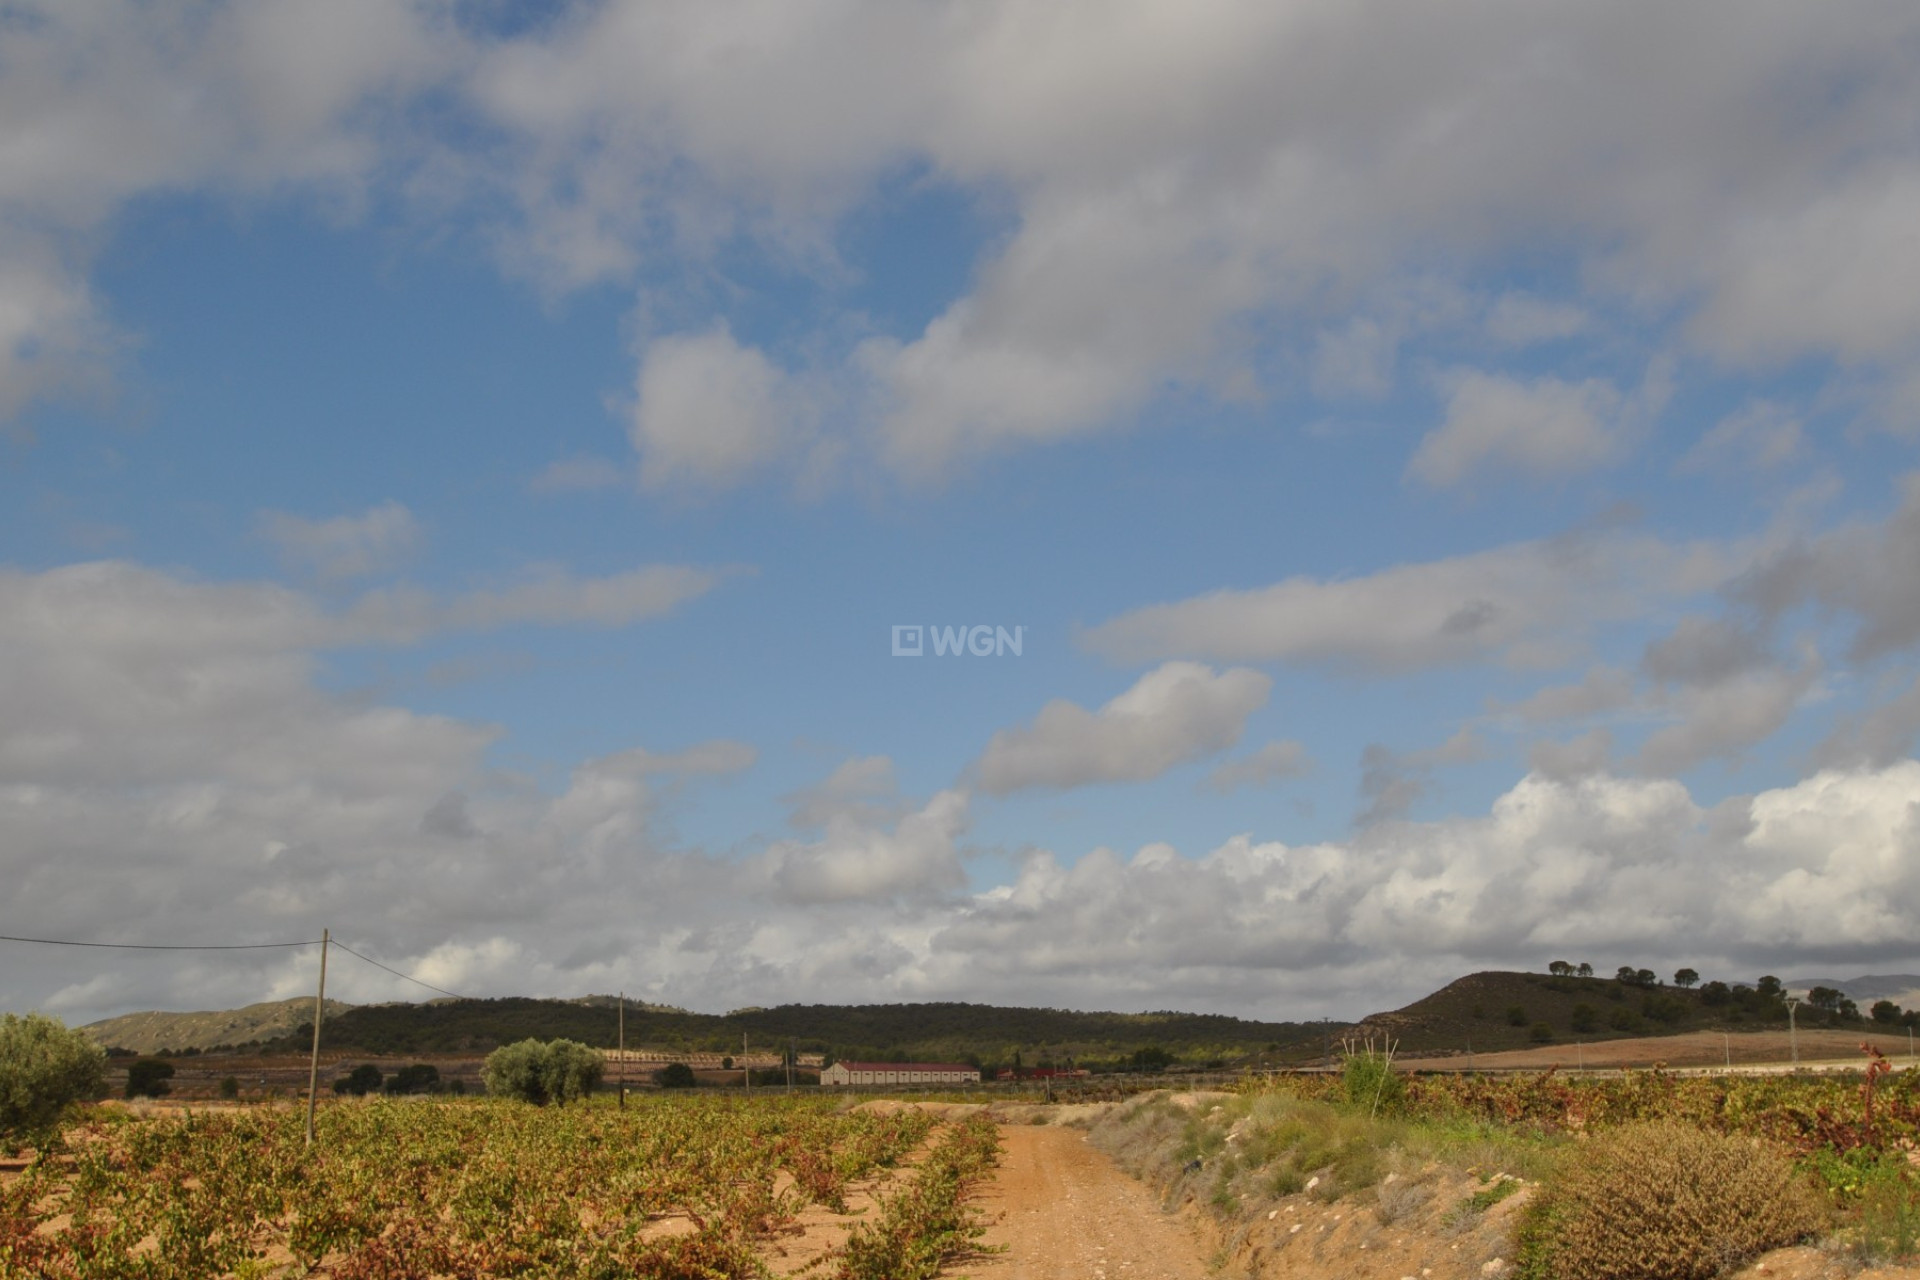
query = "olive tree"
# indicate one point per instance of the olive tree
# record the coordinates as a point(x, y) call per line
point(542, 1072)
point(45, 1067)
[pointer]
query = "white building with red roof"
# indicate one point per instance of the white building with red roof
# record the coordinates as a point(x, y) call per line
point(851, 1073)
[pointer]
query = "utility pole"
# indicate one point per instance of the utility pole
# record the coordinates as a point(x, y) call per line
point(746, 1072)
point(790, 1063)
point(623, 1048)
point(1793, 1031)
point(319, 1011)
point(1729, 1041)
point(1469, 1057)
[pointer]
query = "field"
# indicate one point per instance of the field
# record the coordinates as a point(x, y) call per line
point(1360, 1174)
point(668, 1187)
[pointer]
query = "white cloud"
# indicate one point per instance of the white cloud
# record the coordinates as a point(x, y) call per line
point(1319, 155)
point(166, 757)
point(1600, 690)
point(376, 541)
point(708, 409)
point(1867, 572)
point(1761, 435)
point(577, 475)
point(1727, 716)
point(1521, 320)
point(548, 597)
point(1520, 604)
point(859, 861)
point(1545, 427)
point(1274, 762)
point(1178, 712)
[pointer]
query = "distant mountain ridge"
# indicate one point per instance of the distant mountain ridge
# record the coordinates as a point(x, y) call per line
point(155, 1030)
point(1901, 988)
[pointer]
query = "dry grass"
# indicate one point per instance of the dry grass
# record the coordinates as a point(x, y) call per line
point(1664, 1201)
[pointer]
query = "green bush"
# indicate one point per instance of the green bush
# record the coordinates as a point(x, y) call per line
point(1370, 1082)
point(361, 1081)
point(675, 1075)
point(230, 1087)
point(421, 1077)
point(147, 1078)
point(1542, 1033)
point(1664, 1201)
point(44, 1068)
point(542, 1072)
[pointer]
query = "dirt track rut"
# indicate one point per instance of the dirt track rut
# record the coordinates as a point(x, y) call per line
point(1069, 1214)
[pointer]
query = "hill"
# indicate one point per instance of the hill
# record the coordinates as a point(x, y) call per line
point(1901, 988)
point(904, 1032)
point(155, 1031)
point(1498, 1010)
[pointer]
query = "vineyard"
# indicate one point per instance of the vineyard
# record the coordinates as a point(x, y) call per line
point(392, 1190)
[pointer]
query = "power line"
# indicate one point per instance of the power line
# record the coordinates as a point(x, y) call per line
point(228, 946)
point(165, 946)
point(396, 973)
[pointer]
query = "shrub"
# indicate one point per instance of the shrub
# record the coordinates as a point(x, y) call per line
point(532, 1071)
point(1664, 1201)
point(230, 1087)
point(44, 1068)
point(675, 1075)
point(147, 1078)
point(1584, 1018)
point(361, 1081)
point(1542, 1033)
point(1371, 1083)
point(421, 1077)
point(1517, 1016)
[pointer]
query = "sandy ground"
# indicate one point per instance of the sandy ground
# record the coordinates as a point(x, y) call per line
point(1066, 1213)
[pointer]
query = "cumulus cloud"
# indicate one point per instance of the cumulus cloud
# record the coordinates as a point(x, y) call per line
point(104, 101)
point(375, 541)
point(1274, 762)
point(859, 861)
point(1543, 427)
point(1601, 866)
point(1320, 155)
point(1178, 712)
point(1519, 604)
point(165, 755)
point(708, 409)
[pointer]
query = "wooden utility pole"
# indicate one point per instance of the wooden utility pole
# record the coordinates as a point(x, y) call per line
point(746, 1072)
point(319, 1011)
point(623, 1048)
point(1793, 1031)
point(790, 1057)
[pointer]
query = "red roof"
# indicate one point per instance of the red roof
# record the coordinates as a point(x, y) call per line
point(906, 1066)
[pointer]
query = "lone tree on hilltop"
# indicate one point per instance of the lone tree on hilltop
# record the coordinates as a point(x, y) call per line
point(1560, 969)
point(1685, 977)
point(1584, 971)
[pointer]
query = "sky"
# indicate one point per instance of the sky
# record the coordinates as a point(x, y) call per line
point(1378, 492)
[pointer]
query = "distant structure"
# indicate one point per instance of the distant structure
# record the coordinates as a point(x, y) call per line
point(850, 1073)
point(1041, 1073)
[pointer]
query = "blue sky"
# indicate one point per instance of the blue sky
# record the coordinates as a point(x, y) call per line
point(462, 464)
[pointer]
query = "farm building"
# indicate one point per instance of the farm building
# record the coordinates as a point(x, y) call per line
point(846, 1073)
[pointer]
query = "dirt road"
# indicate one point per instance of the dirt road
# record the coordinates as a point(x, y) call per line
point(1069, 1214)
